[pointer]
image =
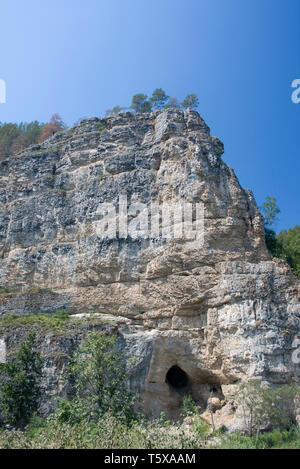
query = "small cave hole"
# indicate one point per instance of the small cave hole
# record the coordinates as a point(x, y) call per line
point(177, 378)
point(213, 389)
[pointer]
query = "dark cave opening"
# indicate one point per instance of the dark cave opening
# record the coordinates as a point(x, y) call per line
point(177, 378)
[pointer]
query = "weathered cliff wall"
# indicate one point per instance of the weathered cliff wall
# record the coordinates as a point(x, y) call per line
point(222, 312)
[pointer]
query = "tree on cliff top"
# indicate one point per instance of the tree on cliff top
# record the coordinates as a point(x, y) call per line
point(190, 101)
point(55, 125)
point(140, 103)
point(159, 98)
point(173, 103)
point(16, 137)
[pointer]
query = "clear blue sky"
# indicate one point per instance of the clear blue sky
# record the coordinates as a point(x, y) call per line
point(79, 58)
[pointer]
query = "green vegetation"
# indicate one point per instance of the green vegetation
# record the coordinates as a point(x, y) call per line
point(100, 383)
point(270, 210)
point(285, 245)
point(288, 241)
point(261, 406)
point(100, 127)
point(158, 100)
point(54, 322)
point(114, 111)
point(16, 137)
point(287, 439)
point(99, 413)
point(140, 104)
point(110, 433)
point(190, 101)
point(188, 406)
point(20, 388)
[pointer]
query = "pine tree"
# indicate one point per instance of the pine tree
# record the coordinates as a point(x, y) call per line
point(159, 98)
point(190, 101)
point(140, 103)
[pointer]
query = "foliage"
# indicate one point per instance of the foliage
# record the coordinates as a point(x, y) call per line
point(289, 243)
point(114, 111)
point(140, 103)
point(55, 125)
point(15, 137)
point(272, 242)
point(159, 98)
point(282, 405)
point(173, 103)
point(61, 314)
point(271, 440)
point(54, 322)
point(100, 126)
point(20, 389)
point(250, 400)
point(108, 432)
point(188, 406)
point(262, 406)
point(270, 210)
point(285, 245)
point(100, 382)
point(190, 101)
point(111, 433)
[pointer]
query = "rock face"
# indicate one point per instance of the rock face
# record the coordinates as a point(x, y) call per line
point(215, 314)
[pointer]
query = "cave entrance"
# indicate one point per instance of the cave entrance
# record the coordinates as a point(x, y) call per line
point(176, 378)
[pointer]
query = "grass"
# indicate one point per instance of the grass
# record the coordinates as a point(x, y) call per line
point(110, 433)
point(60, 322)
point(100, 126)
point(55, 322)
point(272, 440)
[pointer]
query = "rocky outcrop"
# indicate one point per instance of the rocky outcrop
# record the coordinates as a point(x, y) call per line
point(213, 314)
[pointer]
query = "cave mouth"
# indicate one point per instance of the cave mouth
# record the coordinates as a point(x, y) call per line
point(177, 378)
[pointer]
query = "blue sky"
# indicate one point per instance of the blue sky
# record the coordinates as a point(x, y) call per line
point(79, 58)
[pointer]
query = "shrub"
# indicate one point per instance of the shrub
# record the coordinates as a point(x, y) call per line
point(100, 127)
point(20, 390)
point(262, 406)
point(188, 406)
point(98, 373)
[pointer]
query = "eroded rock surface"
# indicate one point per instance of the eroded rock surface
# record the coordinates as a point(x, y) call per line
point(221, 313)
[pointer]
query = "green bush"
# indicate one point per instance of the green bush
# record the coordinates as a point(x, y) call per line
point(20, 389)
point(100, 382)
point(261, 406)
point(100, 127)
point(188, 406)
point(62, 314)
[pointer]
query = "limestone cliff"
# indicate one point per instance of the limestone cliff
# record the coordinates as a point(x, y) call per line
point(212, 315)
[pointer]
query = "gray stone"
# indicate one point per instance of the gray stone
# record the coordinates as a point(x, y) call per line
point(223, 313)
